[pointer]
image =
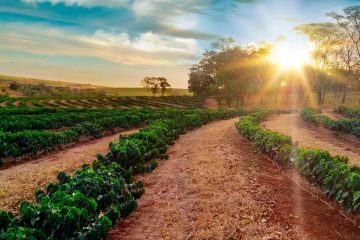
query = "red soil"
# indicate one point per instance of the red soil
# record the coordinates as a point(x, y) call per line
point(215, 186)
point(309, 135)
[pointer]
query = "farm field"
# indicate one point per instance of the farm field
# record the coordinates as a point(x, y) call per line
point(5, 80)
point(117, 195)
point(20, 181)
point(176, 181)
point(179, 120)
point(104, 102)
point(215, 185)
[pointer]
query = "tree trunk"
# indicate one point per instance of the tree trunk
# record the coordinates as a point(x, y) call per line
point(344, 95)
point(318, 95)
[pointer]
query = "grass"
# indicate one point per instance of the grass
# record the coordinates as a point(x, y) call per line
point(4, 81)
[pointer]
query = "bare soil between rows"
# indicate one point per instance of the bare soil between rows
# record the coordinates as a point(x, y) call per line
point(216, 186)
point(312, 136)
point(331, 113)
point(20, 181)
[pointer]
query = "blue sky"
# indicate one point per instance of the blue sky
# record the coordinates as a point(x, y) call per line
point(119, 42)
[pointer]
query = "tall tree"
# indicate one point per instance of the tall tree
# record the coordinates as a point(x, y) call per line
point(155, 84)
point(349, 51)
point(324, 38)
point(228, 71)
point(151, 83)
point(164, 85)
point(350, 22)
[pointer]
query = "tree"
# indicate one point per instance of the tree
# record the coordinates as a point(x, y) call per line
point(350, 22)
point(325, 38)
point(229, 71)
point(155, 84)
point(349, 52)
point(163, 84)
point(336, 52)
point(224, 44)
point(151, 83)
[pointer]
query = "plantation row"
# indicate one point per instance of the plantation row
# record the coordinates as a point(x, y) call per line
point(348, 112)
point(54, 121)
point(34, 111)
point(86, 205)
point(337, 180)
point(105, 102)
point(88, 123)
point(343, 125)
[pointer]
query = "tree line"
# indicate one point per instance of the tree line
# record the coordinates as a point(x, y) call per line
point(336, 52)
point(230, 72)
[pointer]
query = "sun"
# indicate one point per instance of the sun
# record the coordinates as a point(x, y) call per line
point(290, 56)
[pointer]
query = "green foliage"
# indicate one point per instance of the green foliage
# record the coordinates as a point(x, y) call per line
point(230, 71)
point(87, 204)
point(30, 142)
point(332, 174)
point(21, 233)
point(343, 125)
point(348, 112)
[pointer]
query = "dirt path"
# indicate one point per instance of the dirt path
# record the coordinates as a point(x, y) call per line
point(309, 135)
point(330, 113)
point(214, 186)
point(19, 182)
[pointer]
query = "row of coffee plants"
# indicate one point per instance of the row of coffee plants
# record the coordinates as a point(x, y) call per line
point(32, 142)
point(86, 205)
point(342, 125)
point(337, 180)
point(104, 101)
point(33, 111)
point(348, 112)
point(57, 120)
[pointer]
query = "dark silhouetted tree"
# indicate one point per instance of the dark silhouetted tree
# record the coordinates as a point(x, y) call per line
point(155, 84)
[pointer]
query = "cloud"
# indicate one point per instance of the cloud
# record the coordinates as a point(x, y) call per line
point(85, 3)
point(141, 8)
point(146, 48)
point(147, 42)
point(147, 7)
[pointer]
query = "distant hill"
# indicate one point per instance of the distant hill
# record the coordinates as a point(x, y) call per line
point(5, 82)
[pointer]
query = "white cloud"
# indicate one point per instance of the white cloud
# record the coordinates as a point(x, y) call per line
point(147, 7)
point(147, 41)
point(86, 3)
point(145, 49)
point(141, 8)
point(185, 22)
point(103, 38)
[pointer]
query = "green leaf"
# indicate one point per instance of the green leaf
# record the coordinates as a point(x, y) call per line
point(356, 197)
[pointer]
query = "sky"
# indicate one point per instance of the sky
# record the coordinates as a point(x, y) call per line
point(119, 42)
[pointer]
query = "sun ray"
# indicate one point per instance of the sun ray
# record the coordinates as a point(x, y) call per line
point(289, 56)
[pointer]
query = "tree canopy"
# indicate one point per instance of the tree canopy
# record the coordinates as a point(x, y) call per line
point(229, 71)
point(156, 84)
